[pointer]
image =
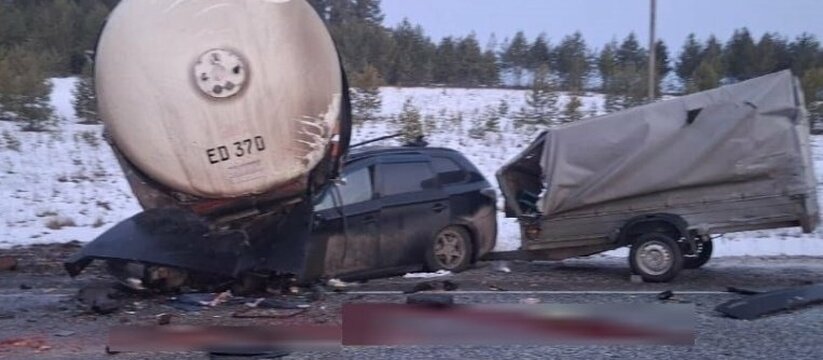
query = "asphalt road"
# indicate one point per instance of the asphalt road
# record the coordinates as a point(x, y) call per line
point(40, 316)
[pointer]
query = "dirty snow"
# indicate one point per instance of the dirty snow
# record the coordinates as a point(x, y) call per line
point(66, 185)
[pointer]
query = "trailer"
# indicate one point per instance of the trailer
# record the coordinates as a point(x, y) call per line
point(663, 178)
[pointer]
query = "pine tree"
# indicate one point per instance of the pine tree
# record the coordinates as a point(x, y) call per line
point(607, 64)
point(705, 77)
point(368, 11)
point(503, 108)
point(411, 59)
point(740, 56)
point(490, 70)
point(478, 129)
point(445, 63)
point(572, 62)
point(470, 62)
point(613, 103)
point(410, 124)
point(813, 92)
point(539, 53)
point(662, 66)
point(541, 102)
point(689, 59)
point(772, 54)
point(492, 119)
point(24, 90)
point(571, 112)
point(805, 53)
point(85, 99)
point(630, 53)
point(366, 99)
point(515, 56)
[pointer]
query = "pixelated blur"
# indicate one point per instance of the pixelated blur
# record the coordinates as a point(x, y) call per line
point(224, 339)
point(414, 325)
point(399, 325)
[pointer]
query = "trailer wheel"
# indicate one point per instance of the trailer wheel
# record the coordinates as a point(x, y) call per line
point(656, 257)
point(451, 250)
point(700, 257)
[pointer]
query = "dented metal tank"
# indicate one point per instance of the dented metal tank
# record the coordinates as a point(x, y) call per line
point(228, 112)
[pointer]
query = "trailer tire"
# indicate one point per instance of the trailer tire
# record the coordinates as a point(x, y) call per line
point(656, 257)
point(701, 256)
point(451, 250)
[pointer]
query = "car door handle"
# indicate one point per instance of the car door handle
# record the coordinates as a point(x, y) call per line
point(439, 207)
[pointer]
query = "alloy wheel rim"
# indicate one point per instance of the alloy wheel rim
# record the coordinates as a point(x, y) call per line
point(449, 250)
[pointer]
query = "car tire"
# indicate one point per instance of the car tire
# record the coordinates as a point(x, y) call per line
point(656, 257)
point(451, 250)
point(701, 256)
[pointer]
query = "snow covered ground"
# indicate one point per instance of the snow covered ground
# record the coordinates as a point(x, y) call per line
point(66, 185)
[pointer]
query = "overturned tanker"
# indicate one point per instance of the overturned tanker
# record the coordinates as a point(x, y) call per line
point(226, 116)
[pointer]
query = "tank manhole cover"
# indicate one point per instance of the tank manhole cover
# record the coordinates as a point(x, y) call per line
point(220, 73)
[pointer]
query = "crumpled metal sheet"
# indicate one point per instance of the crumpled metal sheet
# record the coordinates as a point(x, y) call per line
point(752, 135)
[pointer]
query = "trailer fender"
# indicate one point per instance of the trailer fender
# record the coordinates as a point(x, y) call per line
point(670, 224)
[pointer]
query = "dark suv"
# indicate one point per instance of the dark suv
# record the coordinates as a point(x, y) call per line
point(403, 209)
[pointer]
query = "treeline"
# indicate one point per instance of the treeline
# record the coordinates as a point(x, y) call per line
point(44, 38)
point(41, 39)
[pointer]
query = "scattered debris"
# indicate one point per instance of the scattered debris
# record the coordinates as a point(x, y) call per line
point(264, 303)
point(444, 285)
point(755, 306)
point(64, 333)
point(100, 299)
point(438, 300)
point(6, 315)
point(742, 291)
point(164, 319)
point(25, 287)
point(438, 273)
point(195, 301)
point(636, 279)
point(8, 263)
point(337, 283)
point(530, 301)
point(501, 266)
point(495, 288)
point(666, 295)
point(220, 299)
point(253, 313)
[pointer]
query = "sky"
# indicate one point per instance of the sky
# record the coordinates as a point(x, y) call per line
point(603, 20)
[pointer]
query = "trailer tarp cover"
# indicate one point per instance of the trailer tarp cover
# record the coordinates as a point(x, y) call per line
point(753, 134)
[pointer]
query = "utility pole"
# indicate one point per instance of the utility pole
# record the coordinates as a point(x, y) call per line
point(652, 50)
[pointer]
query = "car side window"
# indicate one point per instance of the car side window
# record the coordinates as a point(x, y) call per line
point(448, 171)
point(401, 178)
point(358, 188)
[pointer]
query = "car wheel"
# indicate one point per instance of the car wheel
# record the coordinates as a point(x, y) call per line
point(700, 257)
point(451, 250)
point(656, 257)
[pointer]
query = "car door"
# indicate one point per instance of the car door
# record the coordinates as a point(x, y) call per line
point(414, 209)
point(347, 217)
